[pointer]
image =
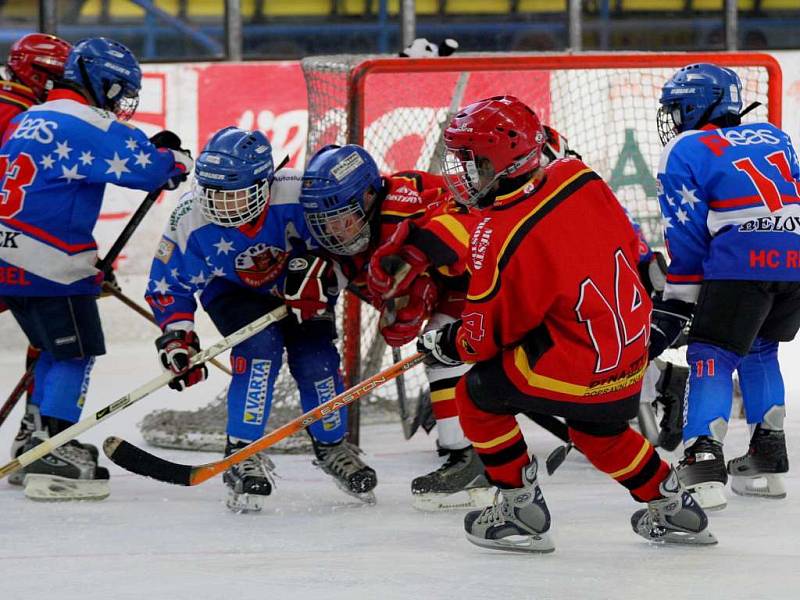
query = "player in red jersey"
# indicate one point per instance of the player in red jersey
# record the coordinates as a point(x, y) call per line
point(556, 321)
point(352, 211)
point(34, 62)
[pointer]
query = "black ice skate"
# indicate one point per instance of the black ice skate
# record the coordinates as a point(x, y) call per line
point(759, 472)
point(702, 472)
point(459, 483)
point(517, 521)
point(69, 472)
point(31, 421)
point(249, 482)
point(349, 472)
point(674, 519)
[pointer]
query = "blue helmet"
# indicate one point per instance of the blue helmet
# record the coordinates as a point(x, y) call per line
point(109, 72)
point(696, 95)
point(340, 186)
point(232, 176)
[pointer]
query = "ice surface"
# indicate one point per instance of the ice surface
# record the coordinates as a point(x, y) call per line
point(152, 541)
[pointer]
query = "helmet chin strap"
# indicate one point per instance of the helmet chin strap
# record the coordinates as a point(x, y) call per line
point(751, 107)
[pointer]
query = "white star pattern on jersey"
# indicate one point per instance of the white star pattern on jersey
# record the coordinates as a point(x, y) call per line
point(670, 200)
point(161, 286)
point(71, 174)
point(688, 197)
point(199, 279)
point(63, 149)
point(131, 144)
point(666, 222)
point(86, 158)
point(223, 246)
point(117, 165)
point(143, 158)
point(682, 216)
point(218, 272)
point(47, 161)
point(174, 273)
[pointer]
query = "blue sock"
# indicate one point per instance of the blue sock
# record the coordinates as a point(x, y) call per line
point(761, 380)
point(64, 388)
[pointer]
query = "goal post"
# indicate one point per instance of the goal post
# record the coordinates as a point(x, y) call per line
point(604, 104)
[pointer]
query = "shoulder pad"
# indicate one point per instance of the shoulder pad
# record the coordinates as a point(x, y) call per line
point(185, 219)
point(285, 188)
point(91, 115)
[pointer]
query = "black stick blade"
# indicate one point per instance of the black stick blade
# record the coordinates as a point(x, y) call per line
point(555, 459)
point(136, 460)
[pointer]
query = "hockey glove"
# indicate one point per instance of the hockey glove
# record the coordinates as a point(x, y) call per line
point(653, 273)
point(668, 320)
point(166, 139)
point(402, 319)
point(394, 266)
point(440, 345)
point(175, 350)
point(310, 287)
point(184, 164)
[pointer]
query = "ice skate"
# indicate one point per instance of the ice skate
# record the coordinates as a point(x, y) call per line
point(759, 472)
point(702, 472)
point(674, 519)
point(31, 421)
point(69, 472)
point(249, 482)
point(349, 472)
point(517, 521)
point(459, 483)
point(672, 389)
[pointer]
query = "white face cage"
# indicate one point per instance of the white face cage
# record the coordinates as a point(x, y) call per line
point(467, 177)
point(232, 208)
point(343, 231)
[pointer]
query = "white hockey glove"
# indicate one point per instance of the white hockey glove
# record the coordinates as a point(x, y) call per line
point(440, 344)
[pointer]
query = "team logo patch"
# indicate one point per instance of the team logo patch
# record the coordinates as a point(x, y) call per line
point(260, 264)
point(164, 250)
point(256, 401)
point(326, 390)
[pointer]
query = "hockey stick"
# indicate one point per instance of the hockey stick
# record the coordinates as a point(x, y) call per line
point(143, 390)
point(143, 312)
point(17, 392)
point(139, 461)
point(107, 262)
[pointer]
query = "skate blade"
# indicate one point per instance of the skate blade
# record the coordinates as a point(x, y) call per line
point(367, 498)
point(529, 544)
point(710, 496)
point(471, 498)
point(51, 488)
point(700, 538)
point(244, 503)
point(764, 486)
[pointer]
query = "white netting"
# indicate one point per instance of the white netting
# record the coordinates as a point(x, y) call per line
point(396, 109)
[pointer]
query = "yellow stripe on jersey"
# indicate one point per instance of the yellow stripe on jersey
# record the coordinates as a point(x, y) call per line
point(454, 227)
point(445, 394)
point(565, 387)
point(394, 213)
point(634, 463)
point(498, 440)
point(516, 228)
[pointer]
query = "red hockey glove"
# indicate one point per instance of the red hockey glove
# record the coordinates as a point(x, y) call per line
point(175, 349)
point(395, 265)
point(309, 287)
point(440, 344)
point(400, 324)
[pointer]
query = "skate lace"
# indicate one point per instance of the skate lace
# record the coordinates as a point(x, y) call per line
point(495, 513)
point(258, 465)
point(74, 452)
point(343, 459)
point(453, 459)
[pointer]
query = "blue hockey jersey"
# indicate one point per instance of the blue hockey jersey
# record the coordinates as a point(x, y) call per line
point(54, 166)
point(730, 200)
point(197, 256)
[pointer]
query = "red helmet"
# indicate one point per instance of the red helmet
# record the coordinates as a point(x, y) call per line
point(36, 58)
point(488, 140)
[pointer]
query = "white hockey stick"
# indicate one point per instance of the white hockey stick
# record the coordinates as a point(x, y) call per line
point(143, 390)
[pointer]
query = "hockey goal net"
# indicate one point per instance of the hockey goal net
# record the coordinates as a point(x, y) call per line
point(604, 104)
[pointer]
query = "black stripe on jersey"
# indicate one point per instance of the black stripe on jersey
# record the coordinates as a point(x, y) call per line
point(21, 104)
point(439, 253)
point(531, 222)
point(443, 384)
point(504, 456)
point(415, 177)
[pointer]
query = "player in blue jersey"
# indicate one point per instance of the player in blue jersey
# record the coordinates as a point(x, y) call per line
point(69, 148)
point(729, 195)
point(231, 240)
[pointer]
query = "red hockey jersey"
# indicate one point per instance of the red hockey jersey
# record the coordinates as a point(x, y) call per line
point(555, 291)
point(14, 99)
point(441, 229)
